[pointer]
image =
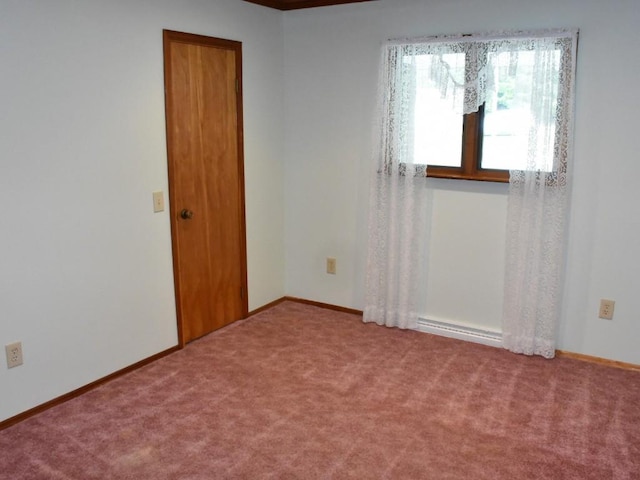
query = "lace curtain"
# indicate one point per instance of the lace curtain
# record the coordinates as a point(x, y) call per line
point(397, 243)
point(537, 70)
point(538, 209)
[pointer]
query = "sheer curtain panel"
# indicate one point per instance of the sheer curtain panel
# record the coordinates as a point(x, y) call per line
point(397, 241)
point(524, 79)
point(538, 206)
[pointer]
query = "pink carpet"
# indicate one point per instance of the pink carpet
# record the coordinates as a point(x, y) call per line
point(300, 392)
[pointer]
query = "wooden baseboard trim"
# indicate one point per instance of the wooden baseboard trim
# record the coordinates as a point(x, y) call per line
point(324, 305)
point(328, 306)
point(598, 360)
point(84, 389)
point(267, 306)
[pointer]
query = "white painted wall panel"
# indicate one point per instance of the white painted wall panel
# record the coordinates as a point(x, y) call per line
point(331, 58)
point(86, 280)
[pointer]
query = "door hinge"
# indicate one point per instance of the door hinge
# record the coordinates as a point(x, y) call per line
point(237, 85)
point(242, 293)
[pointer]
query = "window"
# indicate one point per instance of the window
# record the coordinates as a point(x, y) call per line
point(475, 107)
point(519, 90)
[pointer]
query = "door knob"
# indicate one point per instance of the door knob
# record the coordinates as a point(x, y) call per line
point(186, 214)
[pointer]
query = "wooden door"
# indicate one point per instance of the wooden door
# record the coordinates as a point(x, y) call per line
point(206, 181)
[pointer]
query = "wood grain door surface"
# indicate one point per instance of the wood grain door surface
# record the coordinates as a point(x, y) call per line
point(206, 181)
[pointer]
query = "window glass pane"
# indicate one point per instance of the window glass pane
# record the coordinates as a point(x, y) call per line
point(438, 130)
point(509, 117)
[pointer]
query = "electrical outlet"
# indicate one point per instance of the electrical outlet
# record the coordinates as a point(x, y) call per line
point(14, 354)
point(606, 309)
point(331, 266)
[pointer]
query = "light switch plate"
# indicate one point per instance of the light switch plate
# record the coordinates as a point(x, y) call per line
point(158, 201)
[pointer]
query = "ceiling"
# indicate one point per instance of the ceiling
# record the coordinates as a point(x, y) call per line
point(297, 4)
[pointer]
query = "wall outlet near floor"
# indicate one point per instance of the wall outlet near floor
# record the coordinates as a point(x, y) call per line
point(14, 354)
point(606, 309)
point(331, 265)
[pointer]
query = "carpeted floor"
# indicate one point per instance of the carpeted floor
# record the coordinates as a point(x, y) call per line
point(300, 392)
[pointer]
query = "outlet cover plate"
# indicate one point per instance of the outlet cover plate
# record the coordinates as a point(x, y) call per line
point(331, 265)
point(606, 309)
point(14, 354)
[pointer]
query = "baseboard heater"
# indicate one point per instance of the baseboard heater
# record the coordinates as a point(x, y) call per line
point(461, 332)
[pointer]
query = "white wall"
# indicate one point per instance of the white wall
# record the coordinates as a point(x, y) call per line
point(331, 57)
point(85, 266)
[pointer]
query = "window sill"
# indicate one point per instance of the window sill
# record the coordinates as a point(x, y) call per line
point(481, 176)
